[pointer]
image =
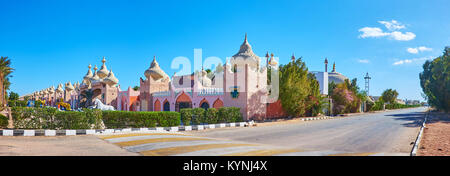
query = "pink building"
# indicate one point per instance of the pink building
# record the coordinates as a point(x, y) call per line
point(241, 82)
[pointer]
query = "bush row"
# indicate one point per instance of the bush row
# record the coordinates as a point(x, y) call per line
point(3, 121)
point(400, 106)
point(198, 116)
point(15, 103)
point(127, 119)
point(51, 118)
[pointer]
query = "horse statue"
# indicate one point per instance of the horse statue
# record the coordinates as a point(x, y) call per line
point(99, 105)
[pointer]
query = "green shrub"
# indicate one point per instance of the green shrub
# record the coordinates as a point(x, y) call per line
point(235, 114)
point(378, 106)
point(198, 116)
point(71, 120)
point(211, 116)
point(126, 119)
point(3, 121)
point(186, 116)
point(51, 118)
point(369, 106)
point(94, 117)
point(14, 103)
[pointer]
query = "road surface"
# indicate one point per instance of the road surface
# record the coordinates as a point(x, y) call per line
point(388, 133)
point(385, 133)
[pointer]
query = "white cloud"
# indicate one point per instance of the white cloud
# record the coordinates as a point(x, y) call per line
point(415, 60)
point(372, 32)
point(412, 50)
point(364, 61)
point(402, 36)
point(418, 49)
point(423, 48)
point(392, 25)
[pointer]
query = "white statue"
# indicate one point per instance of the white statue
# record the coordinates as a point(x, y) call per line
point(99, 105)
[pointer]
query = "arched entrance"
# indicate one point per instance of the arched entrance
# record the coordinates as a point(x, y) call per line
point(218, 104)
point(166, 106)
point(183, 101)
point(157, 106)
point(204, 104)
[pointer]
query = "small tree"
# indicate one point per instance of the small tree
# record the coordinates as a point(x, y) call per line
point(294, 87)
point(13, 96)
point(389, 96)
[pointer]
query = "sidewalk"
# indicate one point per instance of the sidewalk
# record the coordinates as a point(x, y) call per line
point(436, 136)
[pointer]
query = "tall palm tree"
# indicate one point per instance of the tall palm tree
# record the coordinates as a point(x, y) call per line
point(5, 74)
point(86, 98)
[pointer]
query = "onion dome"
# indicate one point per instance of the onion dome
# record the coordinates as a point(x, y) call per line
point(155, 71)
point(45, 92)
point(89, 74)
point(111, 80)
point(95, 77)
point(77, 86)
point(69, 87)
point(219, 68)
point(59, 89)
point(246, 55)
point(272, 61)
point(204, 80)
point(336, 77)
point(51, 90)
point(103, 72)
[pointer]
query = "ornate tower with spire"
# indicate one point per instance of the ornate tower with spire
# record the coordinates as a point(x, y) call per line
point(156, 81)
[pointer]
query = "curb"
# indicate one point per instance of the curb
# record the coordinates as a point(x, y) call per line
point(317, 118)
point(113, 131)
point(419, 137)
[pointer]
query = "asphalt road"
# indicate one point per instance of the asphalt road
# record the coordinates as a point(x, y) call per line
point(392, 133)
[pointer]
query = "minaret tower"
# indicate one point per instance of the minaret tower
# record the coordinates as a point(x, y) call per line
point(367, 78)
point(326, 64)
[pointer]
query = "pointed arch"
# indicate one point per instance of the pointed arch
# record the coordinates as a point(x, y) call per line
point(183, 101)
point(157, 106)
point(166, 105)
point(204, 104)
point(218, 104)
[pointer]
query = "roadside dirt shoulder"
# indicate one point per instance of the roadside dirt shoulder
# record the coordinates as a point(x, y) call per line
point(436, 136)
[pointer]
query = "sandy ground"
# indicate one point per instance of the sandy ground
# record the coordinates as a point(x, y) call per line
point(59, 146)
point(436, 137)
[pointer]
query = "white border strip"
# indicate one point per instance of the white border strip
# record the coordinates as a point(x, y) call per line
point(419, 137)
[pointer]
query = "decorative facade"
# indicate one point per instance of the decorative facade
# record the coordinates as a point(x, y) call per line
point(240, 82)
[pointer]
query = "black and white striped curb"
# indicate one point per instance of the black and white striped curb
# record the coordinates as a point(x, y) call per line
point(419, 137)
point(112, 131)
point(317, 118)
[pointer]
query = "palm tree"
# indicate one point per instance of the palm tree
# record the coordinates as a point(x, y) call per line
point(86, 98)
point(5, 74)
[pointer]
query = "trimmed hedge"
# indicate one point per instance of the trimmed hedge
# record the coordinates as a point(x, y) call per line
point(128, 119)
point(186, 116)
point(19, 103)
point(51, 118)
point(211, 116)
point(198, 116)
point(3, 121)
point(400, 106)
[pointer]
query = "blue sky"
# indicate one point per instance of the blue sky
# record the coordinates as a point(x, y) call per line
point(52, 42)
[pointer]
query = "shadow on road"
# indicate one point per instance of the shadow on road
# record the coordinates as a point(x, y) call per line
point(414, 119)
